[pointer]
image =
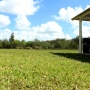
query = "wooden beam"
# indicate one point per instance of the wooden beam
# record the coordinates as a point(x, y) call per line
point(86, 18)
point(80, 35)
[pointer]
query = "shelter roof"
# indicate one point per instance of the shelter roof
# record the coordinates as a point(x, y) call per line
point(85, 15)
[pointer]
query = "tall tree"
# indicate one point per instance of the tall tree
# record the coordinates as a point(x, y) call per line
point(11, 39)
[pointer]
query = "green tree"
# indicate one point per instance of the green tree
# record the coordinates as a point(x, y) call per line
point(16, 44)
point(5, 43)
point(45, 45)
point(23, 43)
point(11, 39)
point(0, 43)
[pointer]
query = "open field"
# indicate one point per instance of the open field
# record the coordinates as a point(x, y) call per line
point(44, 70)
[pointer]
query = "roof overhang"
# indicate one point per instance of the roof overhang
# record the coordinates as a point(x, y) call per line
point(84, 16)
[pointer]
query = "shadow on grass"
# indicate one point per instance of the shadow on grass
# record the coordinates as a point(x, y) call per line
point(75, 56)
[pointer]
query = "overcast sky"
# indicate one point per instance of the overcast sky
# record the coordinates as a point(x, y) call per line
point(41, 19)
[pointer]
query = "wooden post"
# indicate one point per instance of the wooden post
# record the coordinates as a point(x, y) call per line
point(80, 35)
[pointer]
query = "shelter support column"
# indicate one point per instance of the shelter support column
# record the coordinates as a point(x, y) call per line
point(80, 35)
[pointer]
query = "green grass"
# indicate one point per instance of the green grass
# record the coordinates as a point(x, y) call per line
point(44, 70)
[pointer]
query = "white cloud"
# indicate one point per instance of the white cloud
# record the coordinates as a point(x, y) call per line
point(22, 22)
point(47, 31)
point(49, 27)
point(67, 14)
point(5, 34)
point(26, 7)
point(4, 20)
point(88, 6)
point(50, 30)
point(85, 31)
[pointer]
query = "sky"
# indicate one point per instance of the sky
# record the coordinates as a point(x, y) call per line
point(42, 19)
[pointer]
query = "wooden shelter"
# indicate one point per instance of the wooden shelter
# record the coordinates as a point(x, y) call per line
point(83, 16)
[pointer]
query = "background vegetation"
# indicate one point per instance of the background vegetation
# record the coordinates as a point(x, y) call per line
point(36, 44)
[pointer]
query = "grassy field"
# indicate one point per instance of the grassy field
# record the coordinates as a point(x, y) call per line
point(44, 70)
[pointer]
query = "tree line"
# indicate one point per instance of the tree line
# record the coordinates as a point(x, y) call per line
point(37, 44)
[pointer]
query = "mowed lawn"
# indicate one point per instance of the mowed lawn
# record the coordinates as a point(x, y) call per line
point(44, 70)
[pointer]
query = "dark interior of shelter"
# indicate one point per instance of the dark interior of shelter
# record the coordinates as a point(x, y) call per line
point(86, 45)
